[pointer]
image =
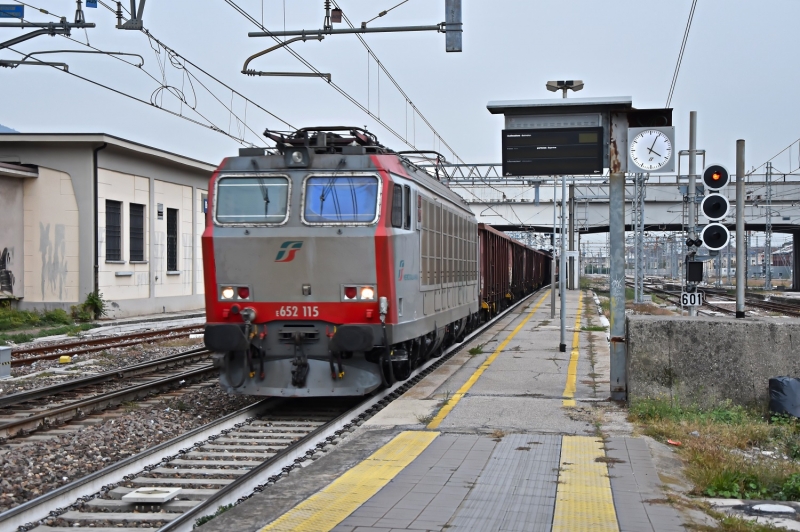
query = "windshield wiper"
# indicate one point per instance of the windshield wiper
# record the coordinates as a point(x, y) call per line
point(265, 194)
point(328, 188)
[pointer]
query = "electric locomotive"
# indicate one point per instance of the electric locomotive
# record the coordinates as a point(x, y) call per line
point(333, 266)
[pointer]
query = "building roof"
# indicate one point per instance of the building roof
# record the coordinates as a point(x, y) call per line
point(98, 138)
point(555, 105)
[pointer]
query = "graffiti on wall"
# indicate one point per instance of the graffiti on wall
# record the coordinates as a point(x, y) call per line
point(6, 275)
point(54, 261)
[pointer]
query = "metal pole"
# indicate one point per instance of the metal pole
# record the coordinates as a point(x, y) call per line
point(768, 233)
point(741, 247)
point(553, 266)
point(572, 271)
point(616, 217)
point(692, 193)
point(637, 250)
point(562, 346)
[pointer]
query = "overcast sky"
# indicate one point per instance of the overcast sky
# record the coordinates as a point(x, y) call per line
point(737, 71)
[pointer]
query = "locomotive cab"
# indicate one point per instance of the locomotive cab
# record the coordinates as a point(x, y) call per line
point(314, 272)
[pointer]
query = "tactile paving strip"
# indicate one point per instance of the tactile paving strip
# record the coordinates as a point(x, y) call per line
point(330, 506)
point(584, 502)
point(516, 491)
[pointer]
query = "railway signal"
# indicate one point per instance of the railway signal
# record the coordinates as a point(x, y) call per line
point(715, 207)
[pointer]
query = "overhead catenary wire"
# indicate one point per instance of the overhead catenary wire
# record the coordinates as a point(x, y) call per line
point(680, 54)
point(177, 54)
point(163, 86)
point(382, 13)
point(311, 67)
point(396, 84)
point(210, 125)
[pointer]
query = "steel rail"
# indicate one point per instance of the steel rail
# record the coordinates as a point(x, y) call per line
point(98, 344)
point(116, 374)
point(672, 295)
point(785, 308)
point(91, 404)
point(40, 507)
point(59, 500)
point(244, 485)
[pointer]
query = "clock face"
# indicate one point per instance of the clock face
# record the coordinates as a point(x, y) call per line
point(651, 150)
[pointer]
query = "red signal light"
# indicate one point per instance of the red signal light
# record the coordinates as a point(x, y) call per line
point(350, 292)
point(716, 176)
point(244, 292)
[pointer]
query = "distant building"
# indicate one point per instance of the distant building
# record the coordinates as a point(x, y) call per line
point(86, 212)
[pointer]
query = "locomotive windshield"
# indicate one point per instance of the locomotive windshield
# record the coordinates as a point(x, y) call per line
point(252, 200)
point(341, 199)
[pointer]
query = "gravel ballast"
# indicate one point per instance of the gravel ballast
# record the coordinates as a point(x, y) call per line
point(91, 364)
point(30, 470)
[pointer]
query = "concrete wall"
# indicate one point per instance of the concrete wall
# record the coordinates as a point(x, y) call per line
point(11, 235)
point(75, 160)
point(59, 217)
point(705, 361)
point(52, 239)
point(123, 279)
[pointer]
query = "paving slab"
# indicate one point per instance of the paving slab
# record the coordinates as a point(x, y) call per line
point(498, 461)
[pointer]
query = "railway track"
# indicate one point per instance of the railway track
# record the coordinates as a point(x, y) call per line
point(752, 302)
point(674, 298)
point(783, 308)
point(25, 412)
point(214, 465)
point(28, 355)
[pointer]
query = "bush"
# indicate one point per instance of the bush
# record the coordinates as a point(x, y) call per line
point(57, 317)
point(11, 318)
point(91, 309)
point(95, 304)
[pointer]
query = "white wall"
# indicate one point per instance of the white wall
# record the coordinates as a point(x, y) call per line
point(178, 283)
point(124, 279)
point(200, 226)
point(51, 238)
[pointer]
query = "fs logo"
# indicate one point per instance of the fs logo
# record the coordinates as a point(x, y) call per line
point(288, 250)
point(402, 264)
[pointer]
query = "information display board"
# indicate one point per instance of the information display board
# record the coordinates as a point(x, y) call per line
point(558, 151)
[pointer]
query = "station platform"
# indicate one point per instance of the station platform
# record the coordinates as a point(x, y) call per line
point(508, 435)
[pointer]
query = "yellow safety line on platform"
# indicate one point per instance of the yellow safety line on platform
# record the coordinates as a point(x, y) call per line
point(572, 369)
point(448, 407)
point(329, 507)
point(583, 499)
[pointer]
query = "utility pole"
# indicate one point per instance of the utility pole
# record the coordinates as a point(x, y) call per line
point(572, 271)
point(768, 233)
point(617, 158)
point(741, 247)
point(553, 262)
point(692, 192)
point(562, 346)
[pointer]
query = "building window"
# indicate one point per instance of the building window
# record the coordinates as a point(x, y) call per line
point(137, 233)
point(172, 240)
point(113, 230)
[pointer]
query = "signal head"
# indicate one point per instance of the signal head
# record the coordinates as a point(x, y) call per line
point(715, 177)
point(715, 207)
point(715, 236)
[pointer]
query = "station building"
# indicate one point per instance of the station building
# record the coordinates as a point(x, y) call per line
point(85, 212)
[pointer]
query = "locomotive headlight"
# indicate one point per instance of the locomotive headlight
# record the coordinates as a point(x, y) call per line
point(367, 292)
point(297, 157)
point(227, 292)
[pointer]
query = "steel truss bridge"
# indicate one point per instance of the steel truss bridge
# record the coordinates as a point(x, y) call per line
point(526, 204)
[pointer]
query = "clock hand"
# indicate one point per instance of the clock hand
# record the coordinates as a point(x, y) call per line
point(654, 144)
point(653, 151)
